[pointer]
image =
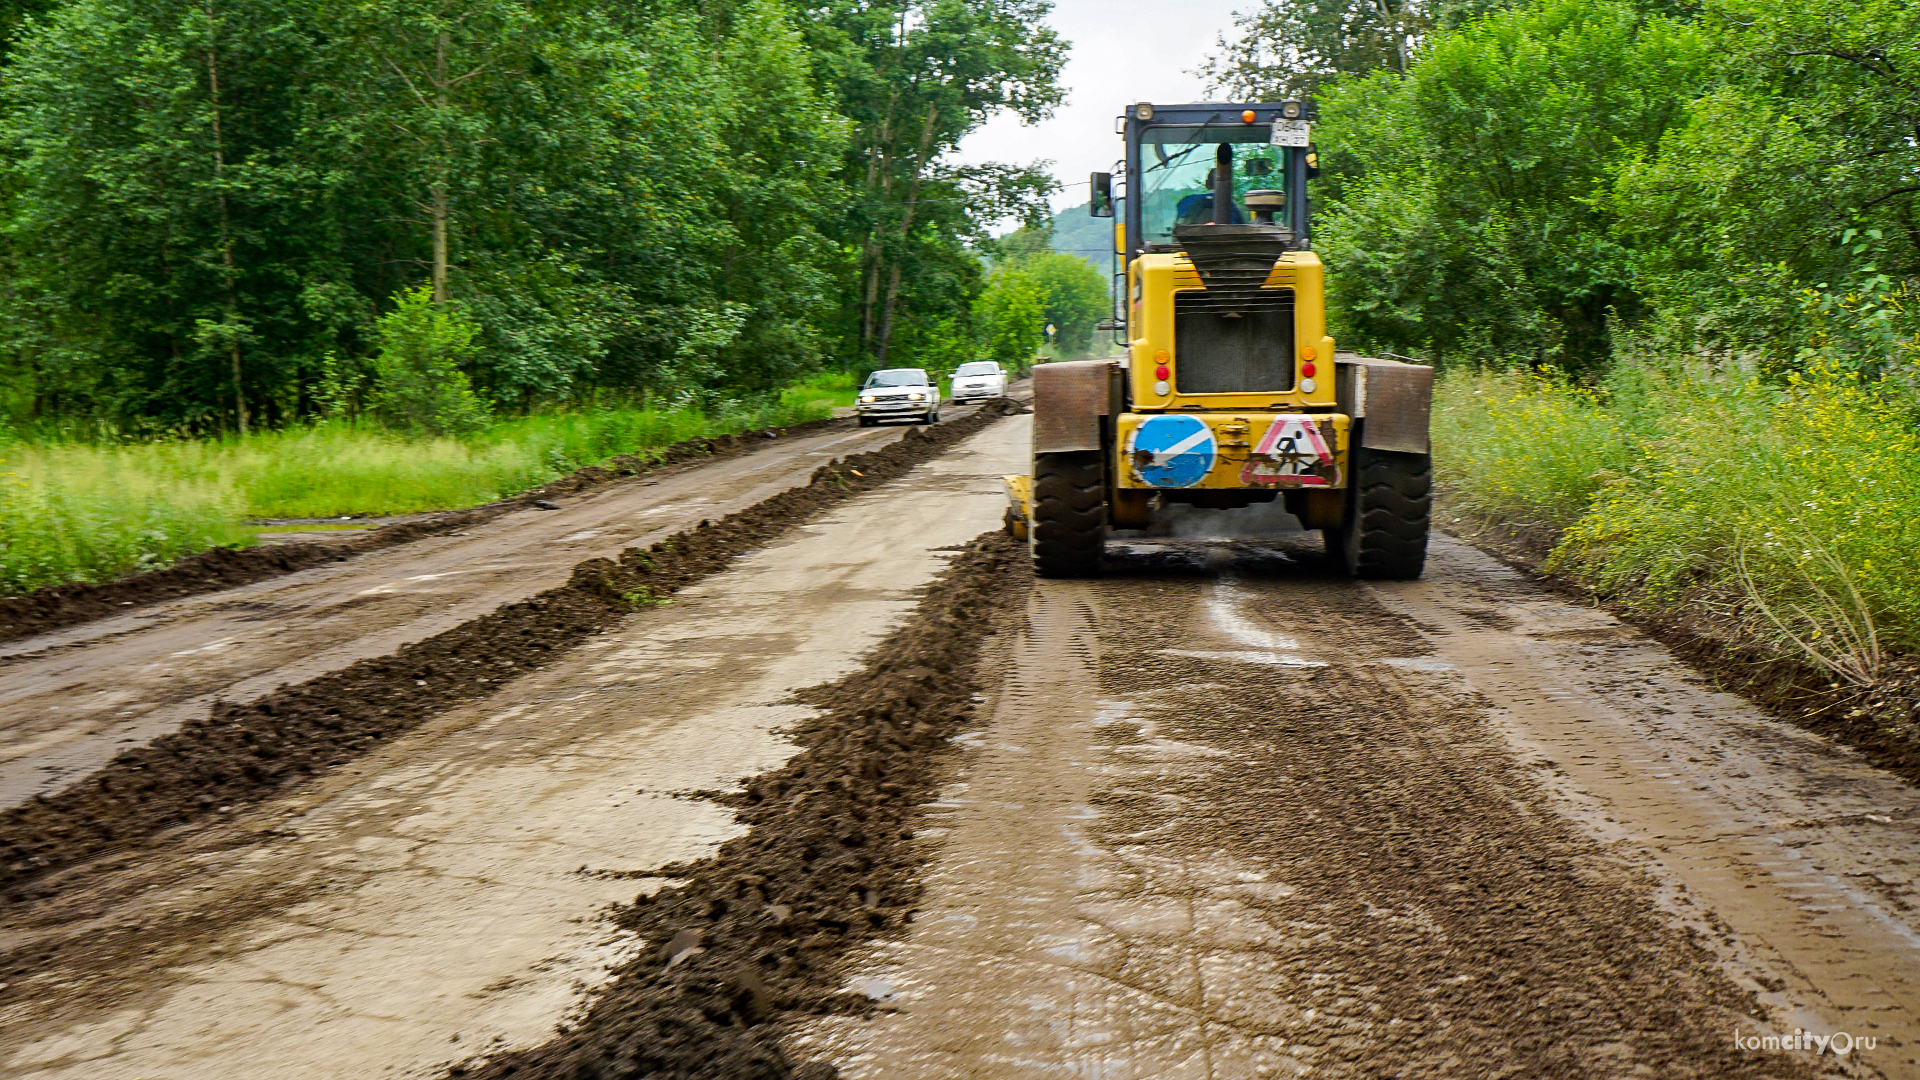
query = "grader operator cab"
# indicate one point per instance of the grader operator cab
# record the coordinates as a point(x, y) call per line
point(1230, 392)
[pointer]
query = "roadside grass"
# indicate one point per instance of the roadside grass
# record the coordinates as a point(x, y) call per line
point(1790, 507)
point(836, 389)
point(73, 512)
point(90, 517)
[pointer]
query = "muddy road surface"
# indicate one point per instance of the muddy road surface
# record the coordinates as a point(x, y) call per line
point(1232, 817)
point(71, 699)
point(1217, 814)
point(441, 896)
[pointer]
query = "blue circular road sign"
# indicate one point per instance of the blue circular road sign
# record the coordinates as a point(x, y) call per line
point(1180, 450)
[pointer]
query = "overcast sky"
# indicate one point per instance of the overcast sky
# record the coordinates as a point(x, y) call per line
point(1123, 51)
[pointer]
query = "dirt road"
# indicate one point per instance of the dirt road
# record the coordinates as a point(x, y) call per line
point(72, 699)
point(1233, 818)
point(1220, 814)
point(440, 896)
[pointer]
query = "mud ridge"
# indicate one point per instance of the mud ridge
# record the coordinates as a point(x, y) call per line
point(241, 753)
point(759, 932)
point(1881, 721)
point(59, 606)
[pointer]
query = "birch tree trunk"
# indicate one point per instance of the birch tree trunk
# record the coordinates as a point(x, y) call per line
point(228, 272)
point(439, 208)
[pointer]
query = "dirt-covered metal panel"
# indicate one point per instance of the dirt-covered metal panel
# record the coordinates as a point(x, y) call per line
point(1069, 398)
point(1394, 400)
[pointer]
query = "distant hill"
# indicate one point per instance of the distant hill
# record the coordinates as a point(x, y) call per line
point(1091, 238)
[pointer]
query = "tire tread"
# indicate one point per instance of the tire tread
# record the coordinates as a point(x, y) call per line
point(1385, 536)
point(1069, 514)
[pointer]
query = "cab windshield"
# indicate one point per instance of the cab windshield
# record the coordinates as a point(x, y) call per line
point(1176, 165)
point(978, 367)
point(897, 377)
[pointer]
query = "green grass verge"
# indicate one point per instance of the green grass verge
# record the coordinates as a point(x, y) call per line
point(73, 512)
point(830, 389)
point(1790, 507)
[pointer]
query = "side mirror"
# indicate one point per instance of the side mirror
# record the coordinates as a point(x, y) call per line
point(1101, 204)
point(1259, 166)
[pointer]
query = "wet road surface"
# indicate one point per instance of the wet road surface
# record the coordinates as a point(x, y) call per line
point(1232, 817)
point(1226, 816)
point(71, 699)
point(440, 897)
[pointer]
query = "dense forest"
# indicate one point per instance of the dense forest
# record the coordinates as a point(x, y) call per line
point(1540, 182)
point(223, 213)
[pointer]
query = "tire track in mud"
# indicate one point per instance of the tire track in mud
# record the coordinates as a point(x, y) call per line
point(758, 932)
point(241, 753)
point(1881, 721)
point(1442, 917)
point(1304, 849)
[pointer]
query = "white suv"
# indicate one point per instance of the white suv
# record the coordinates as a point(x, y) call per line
point(977, 380)
point(898, 394)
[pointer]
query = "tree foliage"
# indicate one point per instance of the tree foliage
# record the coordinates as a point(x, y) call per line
point(1738, 176)
point(1462, 217)
point(915, 78)
point(207, 205)
point(1288, 49)
point(1033, 287)
point(1011, 314)
point(1783, 212)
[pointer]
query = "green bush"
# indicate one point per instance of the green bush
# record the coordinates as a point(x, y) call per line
point(418, 385)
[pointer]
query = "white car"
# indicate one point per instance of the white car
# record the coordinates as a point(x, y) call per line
point(898, 394)
point(977, 381)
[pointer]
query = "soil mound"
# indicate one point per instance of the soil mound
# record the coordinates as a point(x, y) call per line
point(245, 752)
point(829, 862)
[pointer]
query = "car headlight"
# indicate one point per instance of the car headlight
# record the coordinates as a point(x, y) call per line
point(915, 397)
point(866, 397)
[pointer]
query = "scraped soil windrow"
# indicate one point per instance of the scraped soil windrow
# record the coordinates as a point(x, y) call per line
point(60, 606)
point(1881, 721)
point(243, 752)
point(829, 861)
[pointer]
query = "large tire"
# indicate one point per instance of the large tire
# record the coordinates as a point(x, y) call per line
point(1069, 513)
point(866, 421)
point(1389, 502)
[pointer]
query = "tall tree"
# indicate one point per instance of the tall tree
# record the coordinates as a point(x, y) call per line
point(1785, 207)
point(1464, 210)
point(915, 78)
point(151, 194)
point(1289, 48)
point(627, 200)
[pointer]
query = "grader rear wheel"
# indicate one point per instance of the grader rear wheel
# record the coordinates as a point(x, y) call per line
point(1384, 535)
point(1069, 513)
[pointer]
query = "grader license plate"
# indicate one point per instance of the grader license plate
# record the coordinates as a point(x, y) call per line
point(1291, 132)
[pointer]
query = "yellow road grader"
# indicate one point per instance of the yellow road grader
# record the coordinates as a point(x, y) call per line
point(1230, 392)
